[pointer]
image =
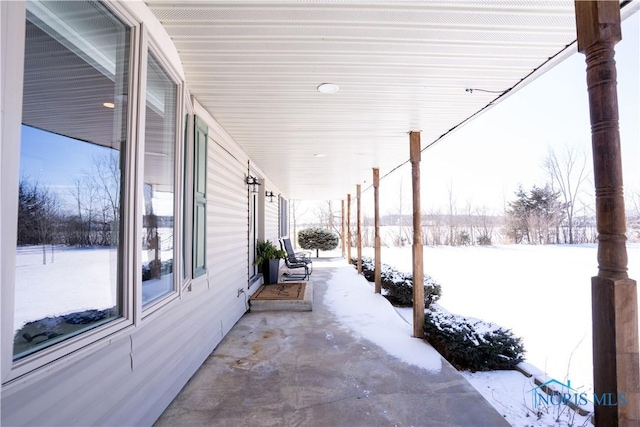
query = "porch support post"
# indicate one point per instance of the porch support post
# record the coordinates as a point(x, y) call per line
point(376, 221)
point(359, 229)
point(616, 363)
point(349, 228)
point(418, 266)
point(342, 236)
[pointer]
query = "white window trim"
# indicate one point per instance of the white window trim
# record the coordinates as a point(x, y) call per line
point(187, 207)
point(12, 22)
point(19, 373)
point(149, 45)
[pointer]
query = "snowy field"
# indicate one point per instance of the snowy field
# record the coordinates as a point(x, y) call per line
point(350, 297)
point(542, 293)
point(73, 280)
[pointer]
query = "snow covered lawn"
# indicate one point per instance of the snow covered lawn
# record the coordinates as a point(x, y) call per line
point(491, 297)
point(542, 293)
point(353, 301)
point(75, 280)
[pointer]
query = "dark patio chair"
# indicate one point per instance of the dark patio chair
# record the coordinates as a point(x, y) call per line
point(295, 260)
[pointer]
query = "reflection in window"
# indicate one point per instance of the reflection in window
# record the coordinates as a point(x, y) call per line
point(73, 135)
point(283, 205)
point(158, 203)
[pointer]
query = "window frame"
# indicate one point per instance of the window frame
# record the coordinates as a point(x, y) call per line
point(148, 46)
point(66, 352)
point(187, 204)
point(283, 216)
point(199, 125)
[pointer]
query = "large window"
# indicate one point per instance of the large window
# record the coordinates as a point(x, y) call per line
point(69, 243)
point(159, 186)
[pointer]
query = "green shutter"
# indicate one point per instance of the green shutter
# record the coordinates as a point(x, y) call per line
point(200, 198)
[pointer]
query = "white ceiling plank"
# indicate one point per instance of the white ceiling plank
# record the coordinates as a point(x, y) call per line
point(255, 66)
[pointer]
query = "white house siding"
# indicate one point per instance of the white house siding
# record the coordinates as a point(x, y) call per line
point(130, 377)
point(227, 205)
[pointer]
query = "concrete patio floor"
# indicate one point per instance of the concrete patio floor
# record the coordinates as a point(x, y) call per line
point(304, 369)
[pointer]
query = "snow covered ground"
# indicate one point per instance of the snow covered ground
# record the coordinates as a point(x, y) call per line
point(370, 315)
point(350, 297)
point(73, 280)
point(542, 293)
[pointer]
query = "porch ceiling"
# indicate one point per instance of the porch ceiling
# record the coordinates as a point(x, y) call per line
point(401, 66)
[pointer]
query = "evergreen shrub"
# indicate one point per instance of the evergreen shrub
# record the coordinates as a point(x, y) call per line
point(472, 344)
point(319, 239)
point(399, 285)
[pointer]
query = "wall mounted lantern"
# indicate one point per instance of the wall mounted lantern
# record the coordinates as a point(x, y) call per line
point(270, 195)
point(253, 181)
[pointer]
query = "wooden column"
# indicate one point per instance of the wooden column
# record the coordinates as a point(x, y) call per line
point(616, 361)
point(418, 266)
point(349, 228)
point(376, 221)
point(359, 228)
point(342, 235)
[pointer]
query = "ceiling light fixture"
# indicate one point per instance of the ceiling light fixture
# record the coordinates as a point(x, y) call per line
point(328, 88)
point(319, 155)
point(109, 105)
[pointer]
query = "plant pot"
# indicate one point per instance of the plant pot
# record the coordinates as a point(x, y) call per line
point(270, 269)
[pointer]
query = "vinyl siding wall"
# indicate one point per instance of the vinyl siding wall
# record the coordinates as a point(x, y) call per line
point(130, 377)
point(271, 218)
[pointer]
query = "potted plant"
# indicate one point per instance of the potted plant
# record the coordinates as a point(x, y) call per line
point(268, 258)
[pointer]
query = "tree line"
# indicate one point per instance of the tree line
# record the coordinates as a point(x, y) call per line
point(560, 210)
point(88, 216)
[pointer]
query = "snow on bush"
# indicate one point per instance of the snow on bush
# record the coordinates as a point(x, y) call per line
point(319, 239)
point(399, 285)
point(472, 344)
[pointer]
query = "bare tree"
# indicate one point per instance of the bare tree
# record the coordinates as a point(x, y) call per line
point(485, 226)
point(567, 171)
point(296, 213)
point(399, 230)
point(38, 215)
point(437, 229)
point(470, 223)
point(86, 195)
point(321, 215)
point(326, 216)
point(633, 212)
point(105, 175)
point(452, 240)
